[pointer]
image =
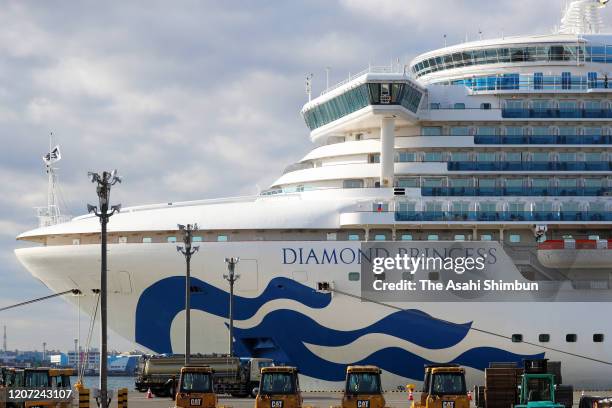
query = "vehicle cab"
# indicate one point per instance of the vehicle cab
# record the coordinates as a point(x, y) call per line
point(443, 387)
point(195, 388)
point(60, 377)
point(279, 387)
point(363, 388)
point(537, 390)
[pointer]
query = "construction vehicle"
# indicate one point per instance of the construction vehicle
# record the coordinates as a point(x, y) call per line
point(537, 384)
point(41, 377)
point(363, 388)
point(195, 388)
point(60, 377)
point(279, 387)
point(443, 387)
point(537, 390)
point(232, 375)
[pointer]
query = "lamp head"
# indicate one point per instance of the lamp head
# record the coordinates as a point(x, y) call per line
point(93, 177)
point(91, 208)
point(114, 177)
point(116, 208)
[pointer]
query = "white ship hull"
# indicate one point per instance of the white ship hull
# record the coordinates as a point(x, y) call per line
point(279, 314)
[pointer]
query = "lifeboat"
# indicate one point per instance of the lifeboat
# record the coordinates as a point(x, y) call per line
point(580, 253)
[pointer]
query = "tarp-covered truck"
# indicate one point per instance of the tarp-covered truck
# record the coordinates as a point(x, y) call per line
point(232, 375)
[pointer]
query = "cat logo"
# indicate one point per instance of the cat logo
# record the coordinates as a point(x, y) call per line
point(363, 403)
point(195, 402)
point(276, 404)
point(448, 404)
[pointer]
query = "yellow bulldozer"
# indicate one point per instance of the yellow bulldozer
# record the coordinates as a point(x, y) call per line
point(443, 387)
point(279, 387)
point(362, 388)
point(195, 388)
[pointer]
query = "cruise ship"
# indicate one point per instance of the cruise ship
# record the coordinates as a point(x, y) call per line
point(502, 146)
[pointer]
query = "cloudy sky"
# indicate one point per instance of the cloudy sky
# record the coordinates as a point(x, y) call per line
point(188, 99)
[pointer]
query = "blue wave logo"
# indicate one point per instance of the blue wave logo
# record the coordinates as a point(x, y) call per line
point(282, 333)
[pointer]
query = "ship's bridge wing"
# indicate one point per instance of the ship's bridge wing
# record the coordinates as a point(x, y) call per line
point(360, 102)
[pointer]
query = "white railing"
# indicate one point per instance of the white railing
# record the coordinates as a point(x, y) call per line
point(383, 69)
point(47, 218)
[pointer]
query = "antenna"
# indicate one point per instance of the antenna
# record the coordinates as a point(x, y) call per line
point(480, 34)
point(582, 17)
point(444, 40)
point(327, 69)
point(51, 215)
point(309, 86)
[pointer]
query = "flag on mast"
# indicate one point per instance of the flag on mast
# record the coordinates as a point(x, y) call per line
point(53, 156)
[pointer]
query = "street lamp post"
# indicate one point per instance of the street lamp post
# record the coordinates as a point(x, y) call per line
point(104, 183)
point(187, 250)
point(231, 277)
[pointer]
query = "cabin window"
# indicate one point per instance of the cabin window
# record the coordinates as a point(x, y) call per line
point(459, 131)
point(515, 238)
point(196, 239)
point(434, 106)
point(76, 241)
point(380, 237)
point(406, 237)
point(147, 240)
point(408, 182)
point(485, 106)
point(433, 237)
point(459, 105)
point(222, 238)
point(353, 237)
point(123, 240)
point(432, 131)
point(544, 338)
point(353, 276)
point(486, 237)
point(598, 338)
point(404, 157)
point(571, 338)
point(332, 236)
point(171, 239)
point(517, 338)
point(352, 183)
point(459, 237)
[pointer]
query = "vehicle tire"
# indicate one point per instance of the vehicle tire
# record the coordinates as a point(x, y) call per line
point(253, 392)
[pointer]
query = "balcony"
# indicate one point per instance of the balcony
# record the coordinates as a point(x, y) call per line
point(506, 216)
point(556, 113)
point(514, 191)
point(529, 166)
point(543, 140)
